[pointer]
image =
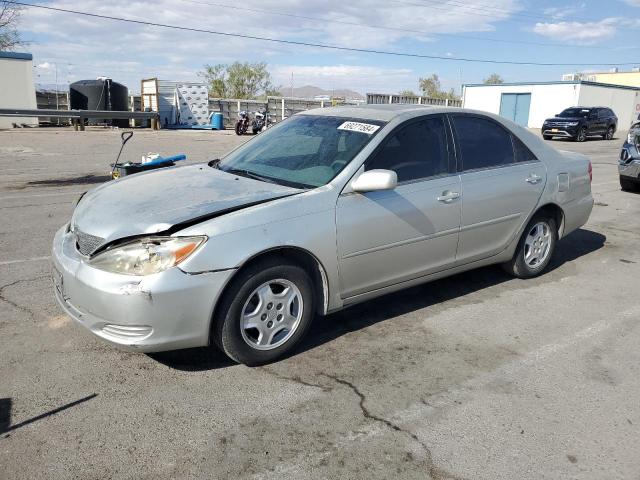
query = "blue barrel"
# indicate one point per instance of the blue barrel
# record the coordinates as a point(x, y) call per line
point(217, 120)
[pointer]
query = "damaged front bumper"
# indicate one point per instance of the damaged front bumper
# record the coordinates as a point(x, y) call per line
point(164, 311)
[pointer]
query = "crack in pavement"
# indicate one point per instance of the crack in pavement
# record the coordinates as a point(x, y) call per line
point(22, 308)
point(435, 472)
point(295, 379)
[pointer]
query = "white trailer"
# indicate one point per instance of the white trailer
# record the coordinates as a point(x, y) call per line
point(16, 87)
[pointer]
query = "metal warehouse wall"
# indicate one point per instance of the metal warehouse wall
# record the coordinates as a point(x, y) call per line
point(16, 87)
point(547, 100)
point(624, 102)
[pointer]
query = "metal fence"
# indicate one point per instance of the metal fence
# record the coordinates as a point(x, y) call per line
point(386, 98)
point(52, 100)
point(278, 107)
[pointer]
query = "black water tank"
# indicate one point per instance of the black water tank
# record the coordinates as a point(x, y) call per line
point(100, 94)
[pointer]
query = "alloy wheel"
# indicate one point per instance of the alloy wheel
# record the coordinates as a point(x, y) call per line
point(537, 245)
point(271, 314)
point(582, 135)
point(610, 134)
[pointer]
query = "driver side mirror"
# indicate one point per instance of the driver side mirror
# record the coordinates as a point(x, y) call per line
point(375, 180)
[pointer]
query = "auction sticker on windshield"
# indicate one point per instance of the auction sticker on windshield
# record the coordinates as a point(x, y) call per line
point(359, 127)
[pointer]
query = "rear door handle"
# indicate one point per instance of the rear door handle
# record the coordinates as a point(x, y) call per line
point(448, 196)
point(533, 179)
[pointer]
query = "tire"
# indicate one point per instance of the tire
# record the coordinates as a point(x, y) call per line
point(254, 131)
point(232, 331)
point(239, 128)
point(581, 136)
point(629, 185)
point(521, 267)
point(609, 134)
point(547, 137)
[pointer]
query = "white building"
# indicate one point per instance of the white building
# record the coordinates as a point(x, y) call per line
point(16, 86)
point(529, 104)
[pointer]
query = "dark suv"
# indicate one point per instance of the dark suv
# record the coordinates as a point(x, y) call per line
point(578, 123)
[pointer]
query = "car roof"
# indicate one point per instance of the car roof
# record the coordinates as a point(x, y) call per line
point(588, 108)
point(383, 113)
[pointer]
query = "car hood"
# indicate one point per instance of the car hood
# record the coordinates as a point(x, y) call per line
point(155, 202)
point(564, 119)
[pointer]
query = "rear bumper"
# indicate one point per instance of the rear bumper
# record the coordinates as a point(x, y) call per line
point(165, 311)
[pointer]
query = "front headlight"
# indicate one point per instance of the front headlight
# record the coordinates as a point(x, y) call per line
point(573, 124)
point(147, 255)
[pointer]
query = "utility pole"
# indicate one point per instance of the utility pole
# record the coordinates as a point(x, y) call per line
point(55, 65)
point(291, 91)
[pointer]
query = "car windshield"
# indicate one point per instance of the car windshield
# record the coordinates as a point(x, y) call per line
point(575, 112)
point(304, 151)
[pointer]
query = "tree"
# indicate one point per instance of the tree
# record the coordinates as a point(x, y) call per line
point(493, 79)
point(238, 80)
point(9, 37)
point(407, 93)
point(431, 87)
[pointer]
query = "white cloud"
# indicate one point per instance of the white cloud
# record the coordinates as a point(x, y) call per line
point(558, 13)
point(633, 3)
point(85, 47)
point(585, 33)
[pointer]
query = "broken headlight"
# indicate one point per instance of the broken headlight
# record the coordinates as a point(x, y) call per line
point(147, 255)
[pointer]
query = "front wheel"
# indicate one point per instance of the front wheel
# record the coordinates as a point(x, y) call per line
point(239, 128)
point(609, 134)
point(547, 137)
point(582, 135)
point(265, 312)
point(535, 248)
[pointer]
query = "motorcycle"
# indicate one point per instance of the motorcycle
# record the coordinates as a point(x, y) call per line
point(242, 125)
point(260, 122)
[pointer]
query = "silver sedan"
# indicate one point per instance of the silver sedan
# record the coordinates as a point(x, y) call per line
point(326, 209)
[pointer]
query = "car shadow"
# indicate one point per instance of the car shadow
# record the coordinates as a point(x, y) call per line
point(325, 329)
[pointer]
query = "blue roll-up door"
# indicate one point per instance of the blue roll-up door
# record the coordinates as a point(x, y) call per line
point(515, 106)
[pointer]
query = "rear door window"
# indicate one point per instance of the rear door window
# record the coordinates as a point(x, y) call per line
point(482, 143)
point(522, 152)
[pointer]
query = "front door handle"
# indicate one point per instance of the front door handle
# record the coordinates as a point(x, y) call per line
point(448, 196)
point(533, 179)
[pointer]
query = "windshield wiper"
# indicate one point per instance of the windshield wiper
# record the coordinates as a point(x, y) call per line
point(249, 174)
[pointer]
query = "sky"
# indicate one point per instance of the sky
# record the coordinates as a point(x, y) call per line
point(543, 31)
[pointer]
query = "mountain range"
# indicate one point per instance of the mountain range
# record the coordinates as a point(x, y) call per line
point(310, 91)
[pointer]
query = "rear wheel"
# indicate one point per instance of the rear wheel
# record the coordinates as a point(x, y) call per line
point(535, 248)
point(629, 185)
point(265, 312)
